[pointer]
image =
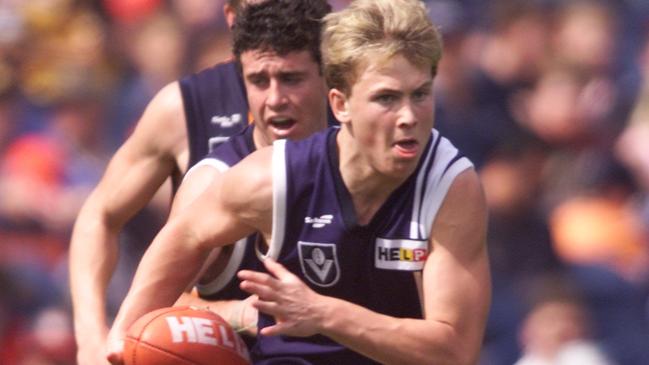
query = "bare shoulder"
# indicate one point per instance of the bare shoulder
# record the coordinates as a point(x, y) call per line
point(462, 218)
point(247, 187)
point(167, 104)
point(195, 182)
point(161, 129)
point(467, 188)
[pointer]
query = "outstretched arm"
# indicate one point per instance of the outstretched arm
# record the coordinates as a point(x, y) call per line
point(133, 176)
point(239, 313)
point(232, 207)
point(456, 294)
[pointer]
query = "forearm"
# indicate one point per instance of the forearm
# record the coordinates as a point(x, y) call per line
point(391, 340)
point(127, 186)
point(93, 256)
point(166, 269)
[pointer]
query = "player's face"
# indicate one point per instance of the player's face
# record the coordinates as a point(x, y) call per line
point(391, 114)
point(286, 94)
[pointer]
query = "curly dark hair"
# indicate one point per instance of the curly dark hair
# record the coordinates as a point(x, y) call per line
point(235, 4)
point(281, 26)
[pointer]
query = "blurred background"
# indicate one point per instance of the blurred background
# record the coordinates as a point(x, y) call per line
point(549, 98)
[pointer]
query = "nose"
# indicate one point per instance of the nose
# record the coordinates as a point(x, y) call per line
point(276, 98)
point(407, 116)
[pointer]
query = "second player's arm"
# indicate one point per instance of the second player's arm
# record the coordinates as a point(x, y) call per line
point(133, 176)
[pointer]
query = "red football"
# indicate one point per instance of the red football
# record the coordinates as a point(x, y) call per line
point(183, 335)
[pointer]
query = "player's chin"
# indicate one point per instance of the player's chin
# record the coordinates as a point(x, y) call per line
point(400, 167)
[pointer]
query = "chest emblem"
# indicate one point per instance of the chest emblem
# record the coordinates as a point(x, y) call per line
point(400, 254)
point(319, 263)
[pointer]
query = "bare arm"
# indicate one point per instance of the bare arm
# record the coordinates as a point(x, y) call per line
point(133, 176)
point(238, 313)
point(197, 180)
point(456, 290)
point(232, 207)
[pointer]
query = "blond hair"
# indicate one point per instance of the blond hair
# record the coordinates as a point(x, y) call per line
point(368, 29)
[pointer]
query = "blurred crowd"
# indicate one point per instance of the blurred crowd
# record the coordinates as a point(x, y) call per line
point(549, 98)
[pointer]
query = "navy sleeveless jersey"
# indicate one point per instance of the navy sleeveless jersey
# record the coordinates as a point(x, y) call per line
point(215, 107)
point(316, 236)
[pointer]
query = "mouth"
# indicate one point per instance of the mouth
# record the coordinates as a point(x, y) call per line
point(407, 147)
point(282, 125)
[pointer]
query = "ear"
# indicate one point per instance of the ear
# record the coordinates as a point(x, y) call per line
point(339, 105)
point(230, 14)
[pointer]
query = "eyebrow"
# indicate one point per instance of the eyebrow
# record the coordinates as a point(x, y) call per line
point(280, 74)
point(424, 85)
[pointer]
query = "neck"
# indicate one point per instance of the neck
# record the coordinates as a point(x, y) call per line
point(259, 139)
point(368, 187)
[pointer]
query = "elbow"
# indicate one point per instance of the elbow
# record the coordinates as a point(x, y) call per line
point(462, 357)
point(446, 356)
point(449, 356)
point(96, 216)
point(451, 348)
point(107, 212)
point(463, 349)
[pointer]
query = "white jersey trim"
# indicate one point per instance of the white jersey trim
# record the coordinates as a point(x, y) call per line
point(415, 229)
point(442, 174)
point(232, 266)
point(209, 161)
point(279, 201)
point(228, 273)
point(433, 200)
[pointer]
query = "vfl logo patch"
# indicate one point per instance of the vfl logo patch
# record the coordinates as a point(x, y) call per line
point(402, 254)
point(319, 222)
point(319, 263)
point(225, 121)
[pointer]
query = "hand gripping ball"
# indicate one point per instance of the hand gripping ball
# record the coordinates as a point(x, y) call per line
point(183, 335)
